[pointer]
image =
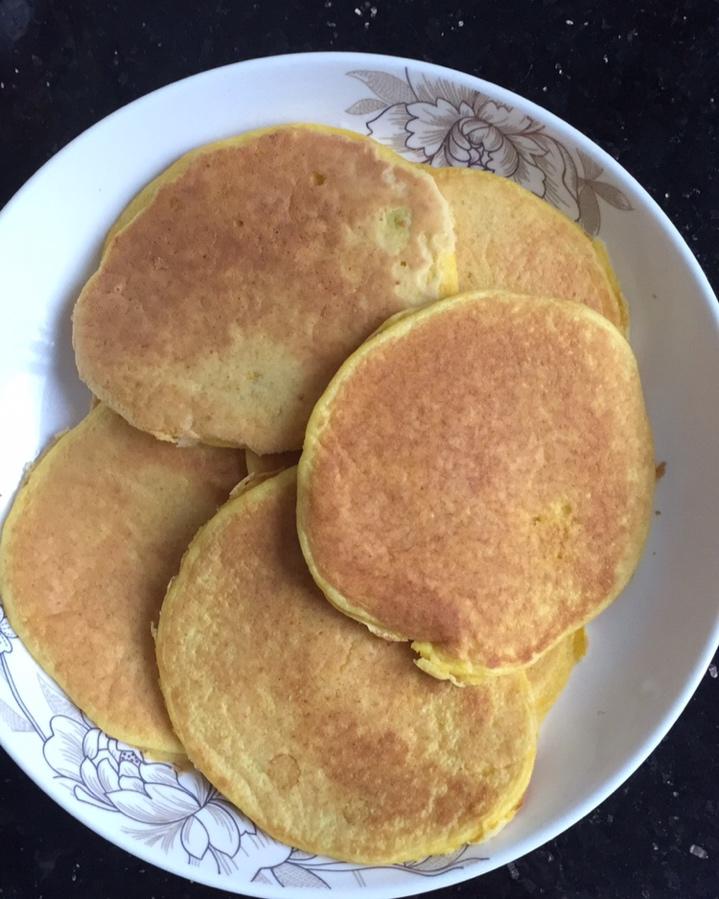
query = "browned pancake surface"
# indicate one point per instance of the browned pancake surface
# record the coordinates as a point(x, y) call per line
point(92, 540)
point(330, 739)
point(248, 272)
point(478, 478)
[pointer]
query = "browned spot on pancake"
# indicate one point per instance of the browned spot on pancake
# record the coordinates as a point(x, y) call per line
point(482, 462)
point(260, 674)
point(225, 306)
point(284, 771)
point(87, 551)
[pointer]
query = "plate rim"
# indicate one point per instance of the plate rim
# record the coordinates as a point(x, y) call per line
point(577, 810)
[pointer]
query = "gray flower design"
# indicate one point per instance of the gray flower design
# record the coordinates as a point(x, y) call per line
point(178, 810)
point(445, 124)
point(171, 807)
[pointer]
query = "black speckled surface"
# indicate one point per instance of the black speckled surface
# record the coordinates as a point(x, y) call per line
point(640, 79)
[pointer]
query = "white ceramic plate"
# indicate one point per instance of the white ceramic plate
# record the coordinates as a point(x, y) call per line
point(647, 653)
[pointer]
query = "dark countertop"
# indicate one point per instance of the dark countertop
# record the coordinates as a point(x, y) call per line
point(641, 80)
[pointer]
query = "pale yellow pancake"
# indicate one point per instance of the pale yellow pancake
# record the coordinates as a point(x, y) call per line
point(548, 676)
point(507, 238)
point(275, 462)
point(237, 282)
point(94, 535)
point(478, 479)
point(329, 739)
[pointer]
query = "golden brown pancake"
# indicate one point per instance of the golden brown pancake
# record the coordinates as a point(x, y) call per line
point(237, 282)
point(548, 676)
point(331, 740)
point(275, 462)
point(507, 238)
point(96, 532)
point(478, 478)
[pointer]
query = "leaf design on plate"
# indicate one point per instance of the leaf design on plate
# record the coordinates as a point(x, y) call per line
point(385, 86)
point(291, 875)
point(612, 195)
point(589, 209)
point(363, 107)
point(427, 90)
point(590, 169)
point(15, 722)
point(57, 701)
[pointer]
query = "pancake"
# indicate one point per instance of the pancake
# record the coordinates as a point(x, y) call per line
point(236, 283)
point(329, 739)
point(275, 462)
point(507, 238)
point(478, 478)
point(548, 676)
point(95, 533)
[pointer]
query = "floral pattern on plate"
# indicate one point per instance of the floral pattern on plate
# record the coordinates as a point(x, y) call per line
point(436, 121)
point(176, 812)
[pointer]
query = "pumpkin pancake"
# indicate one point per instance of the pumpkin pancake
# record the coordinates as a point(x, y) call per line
point(329, 739)
point(478, 478)
point(96, 531)
point(510, 239)
point(548, 676)
point(237, 282)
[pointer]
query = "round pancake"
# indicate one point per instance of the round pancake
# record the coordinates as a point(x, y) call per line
point(264, 464)
point(510, 239)
point(478, 478)
point(329, 739)
point(95, 533)
point(237, 282)
point(548, 676)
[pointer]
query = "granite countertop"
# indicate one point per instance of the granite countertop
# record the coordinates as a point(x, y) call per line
point(642, 81)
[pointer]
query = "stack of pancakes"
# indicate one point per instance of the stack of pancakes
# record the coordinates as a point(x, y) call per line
point(346, 404)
